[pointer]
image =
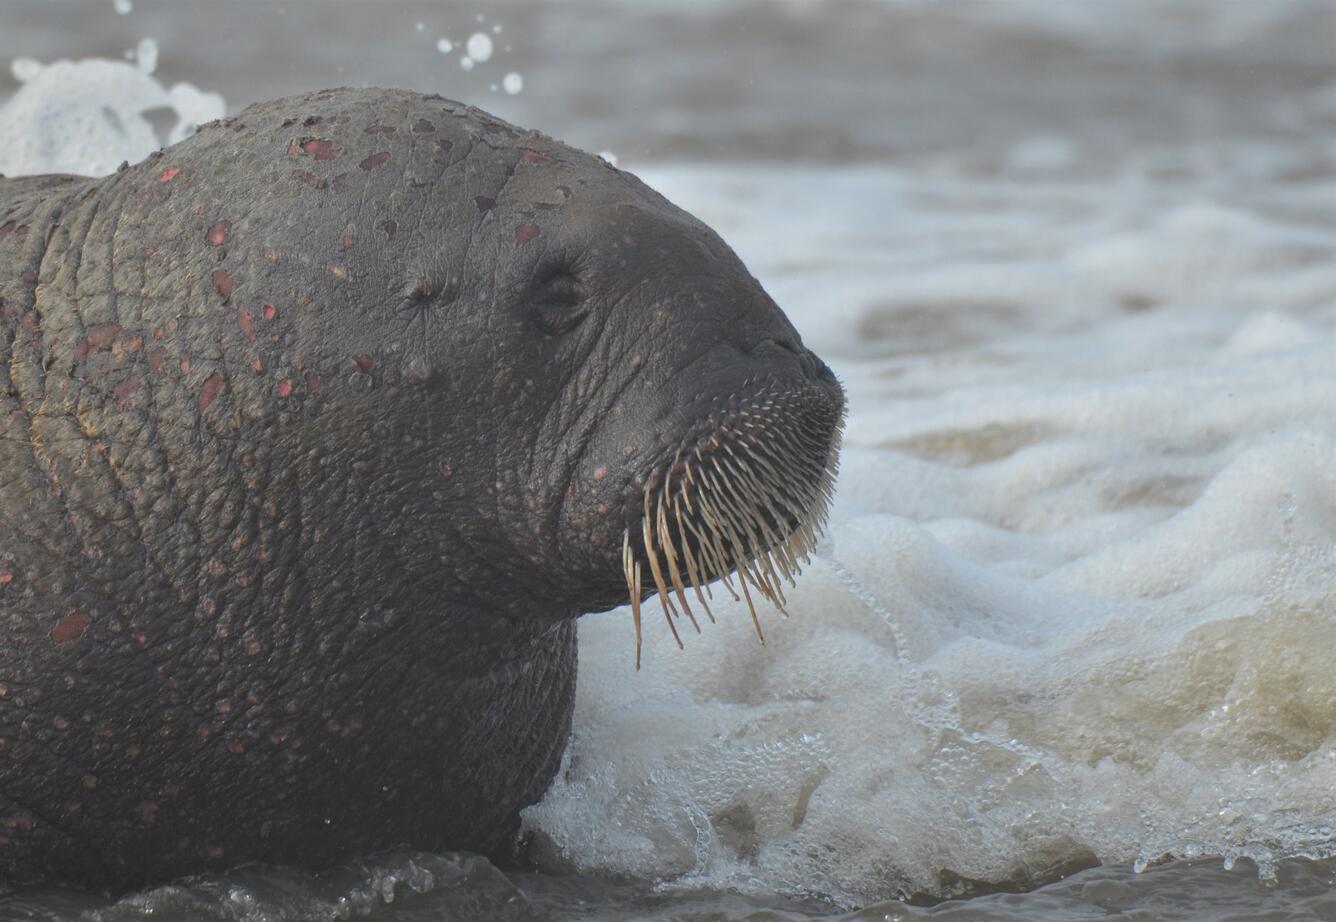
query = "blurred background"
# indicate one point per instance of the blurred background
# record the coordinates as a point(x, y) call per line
point(1075, 263)
point(987, 81)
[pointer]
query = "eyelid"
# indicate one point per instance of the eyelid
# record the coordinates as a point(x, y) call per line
point(558, 303)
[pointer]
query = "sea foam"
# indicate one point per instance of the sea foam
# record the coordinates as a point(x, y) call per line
point(1078, 600)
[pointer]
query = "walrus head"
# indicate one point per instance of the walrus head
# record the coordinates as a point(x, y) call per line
point(710, 446)
point(553, 387)
point(694, 438)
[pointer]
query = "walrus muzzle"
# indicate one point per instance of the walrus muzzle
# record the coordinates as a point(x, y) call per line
point(746, 495)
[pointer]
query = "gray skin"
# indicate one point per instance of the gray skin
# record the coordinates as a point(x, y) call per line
point(317, 432)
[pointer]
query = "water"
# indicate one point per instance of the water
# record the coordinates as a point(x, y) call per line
point(1076, 615)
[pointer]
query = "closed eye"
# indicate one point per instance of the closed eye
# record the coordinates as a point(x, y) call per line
point(558, 303)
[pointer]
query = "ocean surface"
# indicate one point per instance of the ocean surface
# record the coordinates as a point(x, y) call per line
point(1068, 651)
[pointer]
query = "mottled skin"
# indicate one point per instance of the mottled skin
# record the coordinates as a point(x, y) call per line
point(317, 431)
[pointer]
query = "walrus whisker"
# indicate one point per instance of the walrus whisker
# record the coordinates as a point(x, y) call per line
point(756, 621)
point(751, 503)
point(630, 567)
point(636, 595)
point(693, 572)
point(671, 556)
point(665, 601)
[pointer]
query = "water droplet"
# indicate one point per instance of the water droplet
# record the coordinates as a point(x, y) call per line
point(480, 46)
point(513, 83)
point(444, 45)
point(466, 63)
point(123, 7)
point(147, 55)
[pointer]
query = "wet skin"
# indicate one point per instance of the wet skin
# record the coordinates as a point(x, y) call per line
point(317, 432)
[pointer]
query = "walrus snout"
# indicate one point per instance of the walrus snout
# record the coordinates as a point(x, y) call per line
point(743, 497)
point(811, 363)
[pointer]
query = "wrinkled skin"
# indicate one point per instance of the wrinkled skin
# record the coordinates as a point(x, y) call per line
point(317, 432)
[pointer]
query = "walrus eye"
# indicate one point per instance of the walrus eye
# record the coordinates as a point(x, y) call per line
point(559, 304)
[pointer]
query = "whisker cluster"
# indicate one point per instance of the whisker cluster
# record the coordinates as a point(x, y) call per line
point(748, 501)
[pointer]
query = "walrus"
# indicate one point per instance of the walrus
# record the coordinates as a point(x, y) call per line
point(318, 430)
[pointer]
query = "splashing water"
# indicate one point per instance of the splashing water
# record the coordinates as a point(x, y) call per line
point(90, 116)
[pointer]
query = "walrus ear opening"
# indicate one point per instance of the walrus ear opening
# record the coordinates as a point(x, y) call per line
point(558, 303)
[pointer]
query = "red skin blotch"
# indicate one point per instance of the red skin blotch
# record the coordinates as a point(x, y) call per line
point(169, 174)
point(312, 383)
point(390, 228)
point(125, 391)
point(71, 627)
point(364, 363)
point(213, 386)
point(222, 283)
point(526, 232)
point(218, 233)
point(6, 577)
point(157, 359)
point(97, 340)
point(533, 156)
point(321, 149)
point(270, 312)
point(422, 126)
point(306, 176)
point(284, 388)
point(375, 160)
point(346, 241)
point(484, 203)
point(246, 322)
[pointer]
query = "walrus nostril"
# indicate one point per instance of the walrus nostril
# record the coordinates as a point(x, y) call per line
point(815, 368)
point(781, 342)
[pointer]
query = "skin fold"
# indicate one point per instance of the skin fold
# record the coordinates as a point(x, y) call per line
point(317, 432)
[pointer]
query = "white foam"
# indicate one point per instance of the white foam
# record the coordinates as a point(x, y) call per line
point(89, 116)
point(1079, 596)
